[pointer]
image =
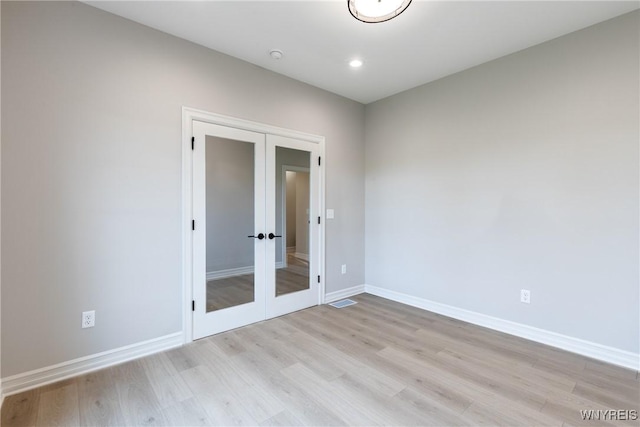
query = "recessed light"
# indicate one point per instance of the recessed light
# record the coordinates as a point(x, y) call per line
point(355, 63)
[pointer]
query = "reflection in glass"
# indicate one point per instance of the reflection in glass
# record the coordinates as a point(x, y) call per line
point(230, 219)
point(292, 220)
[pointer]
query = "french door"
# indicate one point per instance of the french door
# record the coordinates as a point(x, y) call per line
point(256, 238)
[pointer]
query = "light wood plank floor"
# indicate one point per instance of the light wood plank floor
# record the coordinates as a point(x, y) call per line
point(374, 363)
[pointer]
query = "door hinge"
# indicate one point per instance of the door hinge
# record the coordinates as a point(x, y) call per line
point(319, 160)
point(193, 142)
point(318, 220)
point(193, 305)
point(193, 224)
point(318, 278)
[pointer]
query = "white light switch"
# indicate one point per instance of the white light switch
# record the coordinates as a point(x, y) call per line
point(330, 214)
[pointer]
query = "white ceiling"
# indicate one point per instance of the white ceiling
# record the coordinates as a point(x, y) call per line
point(430, 40)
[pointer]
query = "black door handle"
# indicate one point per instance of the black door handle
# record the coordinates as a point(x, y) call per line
point(259, 236)
point(271, 236)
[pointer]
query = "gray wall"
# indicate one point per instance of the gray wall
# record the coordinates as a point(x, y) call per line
point(230, 203)
point(519, 173)
point(91, 174)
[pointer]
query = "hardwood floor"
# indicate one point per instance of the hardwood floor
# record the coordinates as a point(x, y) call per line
point(374, 363)
point(229, 292)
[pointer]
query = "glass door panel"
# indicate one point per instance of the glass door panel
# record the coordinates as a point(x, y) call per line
point(230, 217)
point(292, 220)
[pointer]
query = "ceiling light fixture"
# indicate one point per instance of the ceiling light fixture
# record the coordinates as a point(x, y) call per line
point(373, 11)
point(355, 63)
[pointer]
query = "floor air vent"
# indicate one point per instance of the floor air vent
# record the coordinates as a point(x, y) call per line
point(343, 303)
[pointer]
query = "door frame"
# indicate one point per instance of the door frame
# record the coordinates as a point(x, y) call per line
point(188, 116)
point(285, 169)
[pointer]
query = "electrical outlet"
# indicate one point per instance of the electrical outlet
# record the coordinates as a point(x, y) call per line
point(525, 296)
point(344, 268)
point(88, 319)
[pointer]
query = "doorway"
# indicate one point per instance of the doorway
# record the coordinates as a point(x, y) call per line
point(241, 272)
point(294, 252)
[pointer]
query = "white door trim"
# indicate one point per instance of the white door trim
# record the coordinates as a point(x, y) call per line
point(188, 116)
point(285, 169)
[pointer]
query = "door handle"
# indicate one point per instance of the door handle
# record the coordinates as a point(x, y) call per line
point(259, 236)
point(271, 236)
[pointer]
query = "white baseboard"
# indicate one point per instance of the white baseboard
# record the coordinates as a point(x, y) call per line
point(301, 256)
point(50, 374)
point(231, 272)
point(344, 293)
point(601, 352)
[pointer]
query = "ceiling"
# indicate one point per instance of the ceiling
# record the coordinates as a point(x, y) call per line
point(430, 40)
